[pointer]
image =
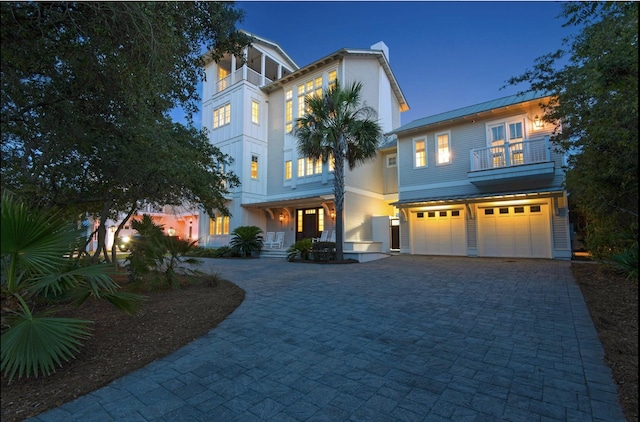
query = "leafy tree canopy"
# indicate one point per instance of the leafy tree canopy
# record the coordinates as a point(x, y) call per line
point(87, 88)
point(596, 105)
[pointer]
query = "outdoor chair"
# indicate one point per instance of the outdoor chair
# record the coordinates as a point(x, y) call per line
point(332, 238)
point(323, 237)
point(279, 240)
point(268, 242)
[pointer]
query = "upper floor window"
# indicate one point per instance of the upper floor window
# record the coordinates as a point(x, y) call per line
point(420, 152)
point(254, 167)
point(222, 116)
point(392, 160)
point(333, 77)
point(288, 110)
point(223, 81)
point(300, 167)
point(444, 152)
point(510, 131)
point(288, 170)
point(331, 163)
point(255, 112)
point(312, 87)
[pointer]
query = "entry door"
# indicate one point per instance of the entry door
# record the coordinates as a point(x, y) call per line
point(308, 223)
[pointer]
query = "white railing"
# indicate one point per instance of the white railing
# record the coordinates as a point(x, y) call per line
point(518, 153)
point(251, 76)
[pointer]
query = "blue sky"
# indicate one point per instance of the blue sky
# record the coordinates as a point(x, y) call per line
point(445, 55)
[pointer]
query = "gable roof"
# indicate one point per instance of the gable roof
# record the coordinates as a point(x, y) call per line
point(378, 54)
point(470, 111)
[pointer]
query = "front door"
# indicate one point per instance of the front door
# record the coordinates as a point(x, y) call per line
point(309, 223)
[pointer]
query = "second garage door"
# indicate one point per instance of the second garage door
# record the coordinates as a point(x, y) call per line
point(515, 231)
point(439, 232)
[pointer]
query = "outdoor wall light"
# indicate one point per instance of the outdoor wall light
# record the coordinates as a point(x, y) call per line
point(281, 218)
point(537, 122)
point(333, 214)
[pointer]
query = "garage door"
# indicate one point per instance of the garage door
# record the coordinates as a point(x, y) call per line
point(438, 233)
point(515, 231)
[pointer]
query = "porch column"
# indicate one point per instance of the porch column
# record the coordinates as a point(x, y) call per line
point(262, 68)
point(233, 69)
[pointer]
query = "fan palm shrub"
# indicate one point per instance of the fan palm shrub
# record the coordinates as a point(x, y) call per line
point(301, 248)
point(38, 274)
point(246, 239)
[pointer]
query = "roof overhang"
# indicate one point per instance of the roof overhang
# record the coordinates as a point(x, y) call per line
point(466, 199)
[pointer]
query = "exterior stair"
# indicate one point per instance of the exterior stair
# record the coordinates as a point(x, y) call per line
point(274, 253)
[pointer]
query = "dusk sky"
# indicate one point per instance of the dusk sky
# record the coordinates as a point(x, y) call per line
point(445, 55)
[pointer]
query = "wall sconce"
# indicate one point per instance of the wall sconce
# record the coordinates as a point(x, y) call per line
point(281, 218)
point(112, 229)
point(333, 214)
point(171, 231)
point(537, 122)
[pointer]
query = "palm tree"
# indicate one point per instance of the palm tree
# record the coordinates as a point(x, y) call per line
point(338, 127)
point(37, 273)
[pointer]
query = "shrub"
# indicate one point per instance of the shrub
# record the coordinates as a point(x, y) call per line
point(246, 239)
point(323, 251)
point(301, 248)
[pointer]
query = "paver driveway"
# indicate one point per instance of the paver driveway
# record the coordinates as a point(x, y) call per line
point(406, 338)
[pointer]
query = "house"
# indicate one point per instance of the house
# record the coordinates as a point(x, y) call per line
point(439, 185)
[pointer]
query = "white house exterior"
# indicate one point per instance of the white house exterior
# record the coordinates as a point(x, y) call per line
point(395, 202)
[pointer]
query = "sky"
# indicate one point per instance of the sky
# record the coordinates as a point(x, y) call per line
point(444, 55)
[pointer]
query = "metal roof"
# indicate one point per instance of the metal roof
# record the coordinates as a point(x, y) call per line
point(471, 110)
point(434, 200)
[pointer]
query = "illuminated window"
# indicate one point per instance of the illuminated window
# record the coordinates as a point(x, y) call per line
point(333, 76)
point(223, 81)
point(288, 170)
point(420, 151)
point(255, 112)
point(321, 219)
point(300, 167)
point(309, 166)
point(300, 219)
point(254, 167)
point(318, 168)
point(222, 116)
point(288, 113)
point(218, 225)
point(312, 87)
point(444, 153)
point(331, 163)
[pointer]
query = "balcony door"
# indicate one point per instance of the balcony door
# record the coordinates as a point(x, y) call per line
point(505, 140)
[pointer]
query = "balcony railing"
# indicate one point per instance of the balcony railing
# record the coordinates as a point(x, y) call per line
point(515, 154)
point(252, 77)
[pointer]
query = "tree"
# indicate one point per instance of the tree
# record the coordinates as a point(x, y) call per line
point(87, 90)
point(338, 127)
point(595, 108)
point(37, 274)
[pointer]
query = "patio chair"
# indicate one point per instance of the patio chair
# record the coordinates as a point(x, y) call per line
point(324, 236)
point(268, 242)
point(279, 240)
point(332, 238)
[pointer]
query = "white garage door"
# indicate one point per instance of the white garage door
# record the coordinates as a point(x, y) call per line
point(521, 231)
point(439, 233)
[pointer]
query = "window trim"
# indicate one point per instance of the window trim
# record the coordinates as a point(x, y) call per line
point(255, 112)
point(415, 153)
point(254, 159)
point(437, 145)
point(389, 157)
point(221, 116)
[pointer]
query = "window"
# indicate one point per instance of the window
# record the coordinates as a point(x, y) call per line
point(333, 77)
point(300, 167)
point(309, 166)
point(222, 116)
point(223, 81)
point(419, 147)
point(218, 225)
point(331, 163)
point(488, 211)
point(455, 213)
point(288, 110)
point(255, 112)
point(288, 171)
point(312, 87)
point(318, 167)
point(391, 160)
point(444, 153)
point(254, 167)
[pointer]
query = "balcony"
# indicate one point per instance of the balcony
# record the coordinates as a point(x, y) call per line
point(251, 76)
point(518, 161)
